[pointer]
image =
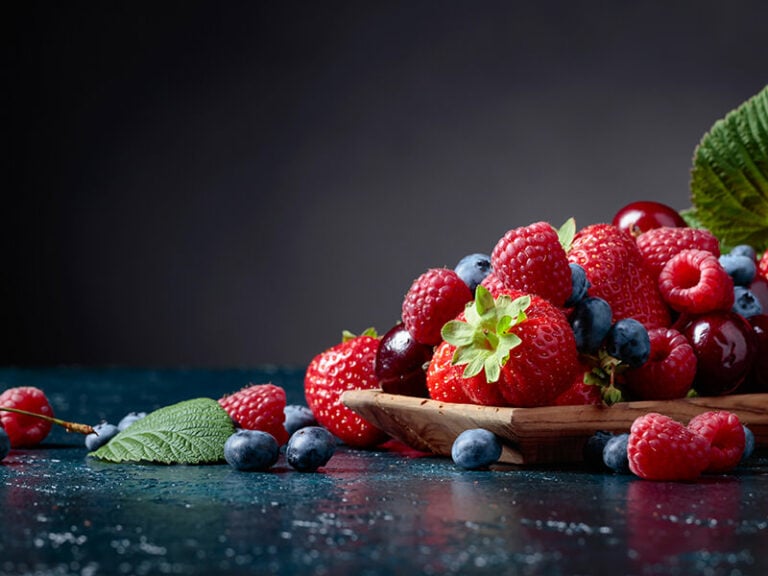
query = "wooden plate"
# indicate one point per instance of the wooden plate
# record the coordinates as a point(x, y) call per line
point(553, 434)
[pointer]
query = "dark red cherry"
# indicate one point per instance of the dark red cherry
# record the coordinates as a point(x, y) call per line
point(759, 287)
point(401, 363)
point(757, 381)
point(641, 216)
point(725, 346)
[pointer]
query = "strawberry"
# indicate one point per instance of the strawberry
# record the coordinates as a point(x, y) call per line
point(661, 448)
point(258, 407)
point(669, 371)
point(444, 380)
point(532, 259)
point(523, 345)
point(726, 438)
point(25, 431)
point(349, 365)
point(659, 245)
point(617, 274)
point(579, 393)
point(762, 265)
point(435, 297)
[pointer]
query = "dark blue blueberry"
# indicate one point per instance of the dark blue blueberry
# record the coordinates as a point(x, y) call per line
point(615, 454)
point(579, 285)
point(473, 269)
point(129, 419)
point(251, 450)
point(741, 268)
point(593, 449)
point(745, 302)
point(749, 445)
point(475, 449)
point(590, 322)
point(744, 250)
point(297, 417)
point(310, 448)
point(5, 444)
point(628, 341)
point(102, 433)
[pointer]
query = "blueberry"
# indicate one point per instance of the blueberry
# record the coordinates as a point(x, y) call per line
point(590, 322)
point(745, 302)
point(741, 268)
point(310, 448)
point(628, 341)
point(251, 450)
point(473, 269)
point(749, 445)
point(579, 285)
point(475, 448)
point(102, 433)
point(593, 449)
point(129, 419)
point(297, 417)
point(615, 454)
point(5, 444)
point(744, 250)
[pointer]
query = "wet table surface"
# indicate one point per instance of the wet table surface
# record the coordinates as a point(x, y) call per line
point(366, 513)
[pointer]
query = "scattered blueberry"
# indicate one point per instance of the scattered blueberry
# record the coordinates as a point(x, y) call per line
point(102, 433)
point(297, 417)
point(590, 322)
point(744, 250)
point(593, 449)
point(749, 444)
point(741, 268)
point(615, 454)
point(5, 444)
point(310, 448)
point(251, 450)
point(473, 269)
point(745, 302)
point(475, 448)
point(579, 285)
point(628, 341)
point(129, 419)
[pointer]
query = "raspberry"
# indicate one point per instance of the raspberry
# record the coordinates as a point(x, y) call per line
point(726, 438)
point(25, 431)
point(434, 298)
point(531, 259)
point(669, 371)
point(660, 448)
point(659, 245)
point(258, 407)
point(762, 265)
point(695, 282)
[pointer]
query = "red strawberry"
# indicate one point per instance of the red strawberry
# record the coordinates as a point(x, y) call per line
point(24, 431)
point(726, 438)
point(580, 393)
point(617, 274)
point(660, 448)
point(762, 265)
point(349, 365)
point(532, 259)
point(525, 345)
point(443, 378)
point(258, 407)
point(694, 281)
point(435, 297)
point(669, 371)
point(659, 245)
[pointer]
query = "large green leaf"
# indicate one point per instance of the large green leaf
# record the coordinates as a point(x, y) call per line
point(190, 432)
point(729, 179)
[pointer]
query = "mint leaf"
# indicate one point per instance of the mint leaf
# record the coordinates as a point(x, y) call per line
point(190, 432)
point(729, 178)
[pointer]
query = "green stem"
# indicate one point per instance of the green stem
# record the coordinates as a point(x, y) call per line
point(68, 426)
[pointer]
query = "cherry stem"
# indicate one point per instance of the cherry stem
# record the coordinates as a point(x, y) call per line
point(68, 426)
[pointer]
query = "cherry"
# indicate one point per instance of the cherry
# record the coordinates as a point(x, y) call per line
point(641, 216)
point(758, 378)
point(759, 287)
point(400, 363)
point(725, 347)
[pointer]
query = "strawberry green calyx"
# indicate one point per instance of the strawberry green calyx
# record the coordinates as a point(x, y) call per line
point(483, 342)
point(566, 233)
point(346, 335)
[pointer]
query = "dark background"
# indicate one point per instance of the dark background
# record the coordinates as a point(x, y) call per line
point(234, 183)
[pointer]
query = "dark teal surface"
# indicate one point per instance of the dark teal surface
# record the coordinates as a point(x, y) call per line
point(366, 513)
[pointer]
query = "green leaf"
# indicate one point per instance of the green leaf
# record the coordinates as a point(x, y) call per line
point(566, 233)
point(729, 178)
point(190, 432)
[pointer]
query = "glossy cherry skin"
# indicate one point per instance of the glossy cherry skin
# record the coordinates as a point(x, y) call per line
point(401, 363)
point(757, 381)
point(641, 216)
point(725, 347)
point(759, 287)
